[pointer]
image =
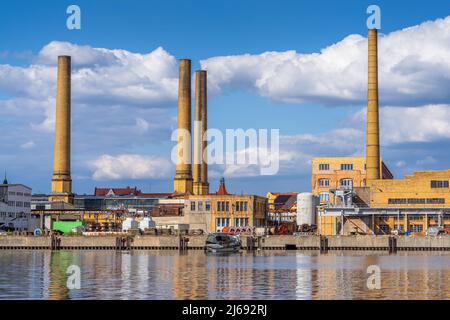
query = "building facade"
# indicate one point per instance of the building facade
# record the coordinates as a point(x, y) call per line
point(214, 212)
point(409, 205)
point(15, 206)
point(382, 221)
point(330, 173)
point(423, 189)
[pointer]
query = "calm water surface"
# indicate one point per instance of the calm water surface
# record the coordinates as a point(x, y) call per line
point(195, 275)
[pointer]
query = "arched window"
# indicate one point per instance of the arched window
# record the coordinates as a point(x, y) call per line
point(348, 183)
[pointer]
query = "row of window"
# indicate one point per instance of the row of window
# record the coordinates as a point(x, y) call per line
point(440, 184)
point(238, 222)
point(13, 215)
point(223, 206)
point(200, 205)
point(417, 201)
point(410, 217)
point(240, 206)
point(19, 204)
point(344, 167)
point(342, 182)
point(413, 228)
point(18, 193)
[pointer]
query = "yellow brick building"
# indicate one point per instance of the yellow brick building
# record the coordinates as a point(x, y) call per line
point(340, 172)
point(226, 211)
point(412, 204)
point(213, 212)
point(423, 189)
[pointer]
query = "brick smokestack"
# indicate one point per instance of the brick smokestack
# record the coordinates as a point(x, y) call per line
point(373, 125)
point(201, 185)
point(183, 176)
point(61, 180)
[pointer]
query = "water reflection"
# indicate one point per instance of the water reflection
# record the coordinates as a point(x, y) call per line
point(248, 275)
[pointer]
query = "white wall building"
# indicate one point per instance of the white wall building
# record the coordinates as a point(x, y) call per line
point(15, 206)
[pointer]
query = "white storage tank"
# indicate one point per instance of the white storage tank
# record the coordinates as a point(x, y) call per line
point(306, 208)
point(130, 223)
point(146, 223)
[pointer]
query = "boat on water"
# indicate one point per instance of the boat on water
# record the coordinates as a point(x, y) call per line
point(222, 242)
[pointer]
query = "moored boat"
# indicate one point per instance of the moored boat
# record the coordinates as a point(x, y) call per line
point(222, 242)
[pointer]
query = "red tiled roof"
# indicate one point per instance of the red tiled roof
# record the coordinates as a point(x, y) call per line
point(222, 189)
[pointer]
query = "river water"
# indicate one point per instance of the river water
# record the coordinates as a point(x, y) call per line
point(247, 275)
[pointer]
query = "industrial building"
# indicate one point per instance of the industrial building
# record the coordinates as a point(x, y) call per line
point(366, 199)
point(223, 209)
point(331, 173)
point(15, 208)
point(131, 199)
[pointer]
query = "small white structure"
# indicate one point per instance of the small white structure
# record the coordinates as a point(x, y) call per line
point(130, 223)
point(146, 223)
point(15, 206)
point(306, 208)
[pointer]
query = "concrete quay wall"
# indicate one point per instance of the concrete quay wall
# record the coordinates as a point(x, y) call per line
point(424, 243)
point(375, 243)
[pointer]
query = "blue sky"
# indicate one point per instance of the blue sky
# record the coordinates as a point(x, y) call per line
point(201, 30)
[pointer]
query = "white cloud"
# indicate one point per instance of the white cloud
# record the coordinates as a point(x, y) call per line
point(27, 145)
point(409, 124)
point(142, 125)
point(427, 160)
point(414, 67)
point(130, 166)
point(99, 77)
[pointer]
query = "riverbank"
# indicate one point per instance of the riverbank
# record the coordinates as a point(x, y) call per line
point(329, 243)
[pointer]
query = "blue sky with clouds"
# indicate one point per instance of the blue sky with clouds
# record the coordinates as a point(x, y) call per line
point(298, 66)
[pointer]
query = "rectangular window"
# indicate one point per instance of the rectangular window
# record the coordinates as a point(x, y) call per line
point(200, 206)
point(208, 205)
point(324, 197)
point(324, 167)
point(416, 228)
point(192, 205)
point(324, 182)
point(227, 206)
point(439, 184)
point(244, 208)
point(346, 167)
point(222, 222)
